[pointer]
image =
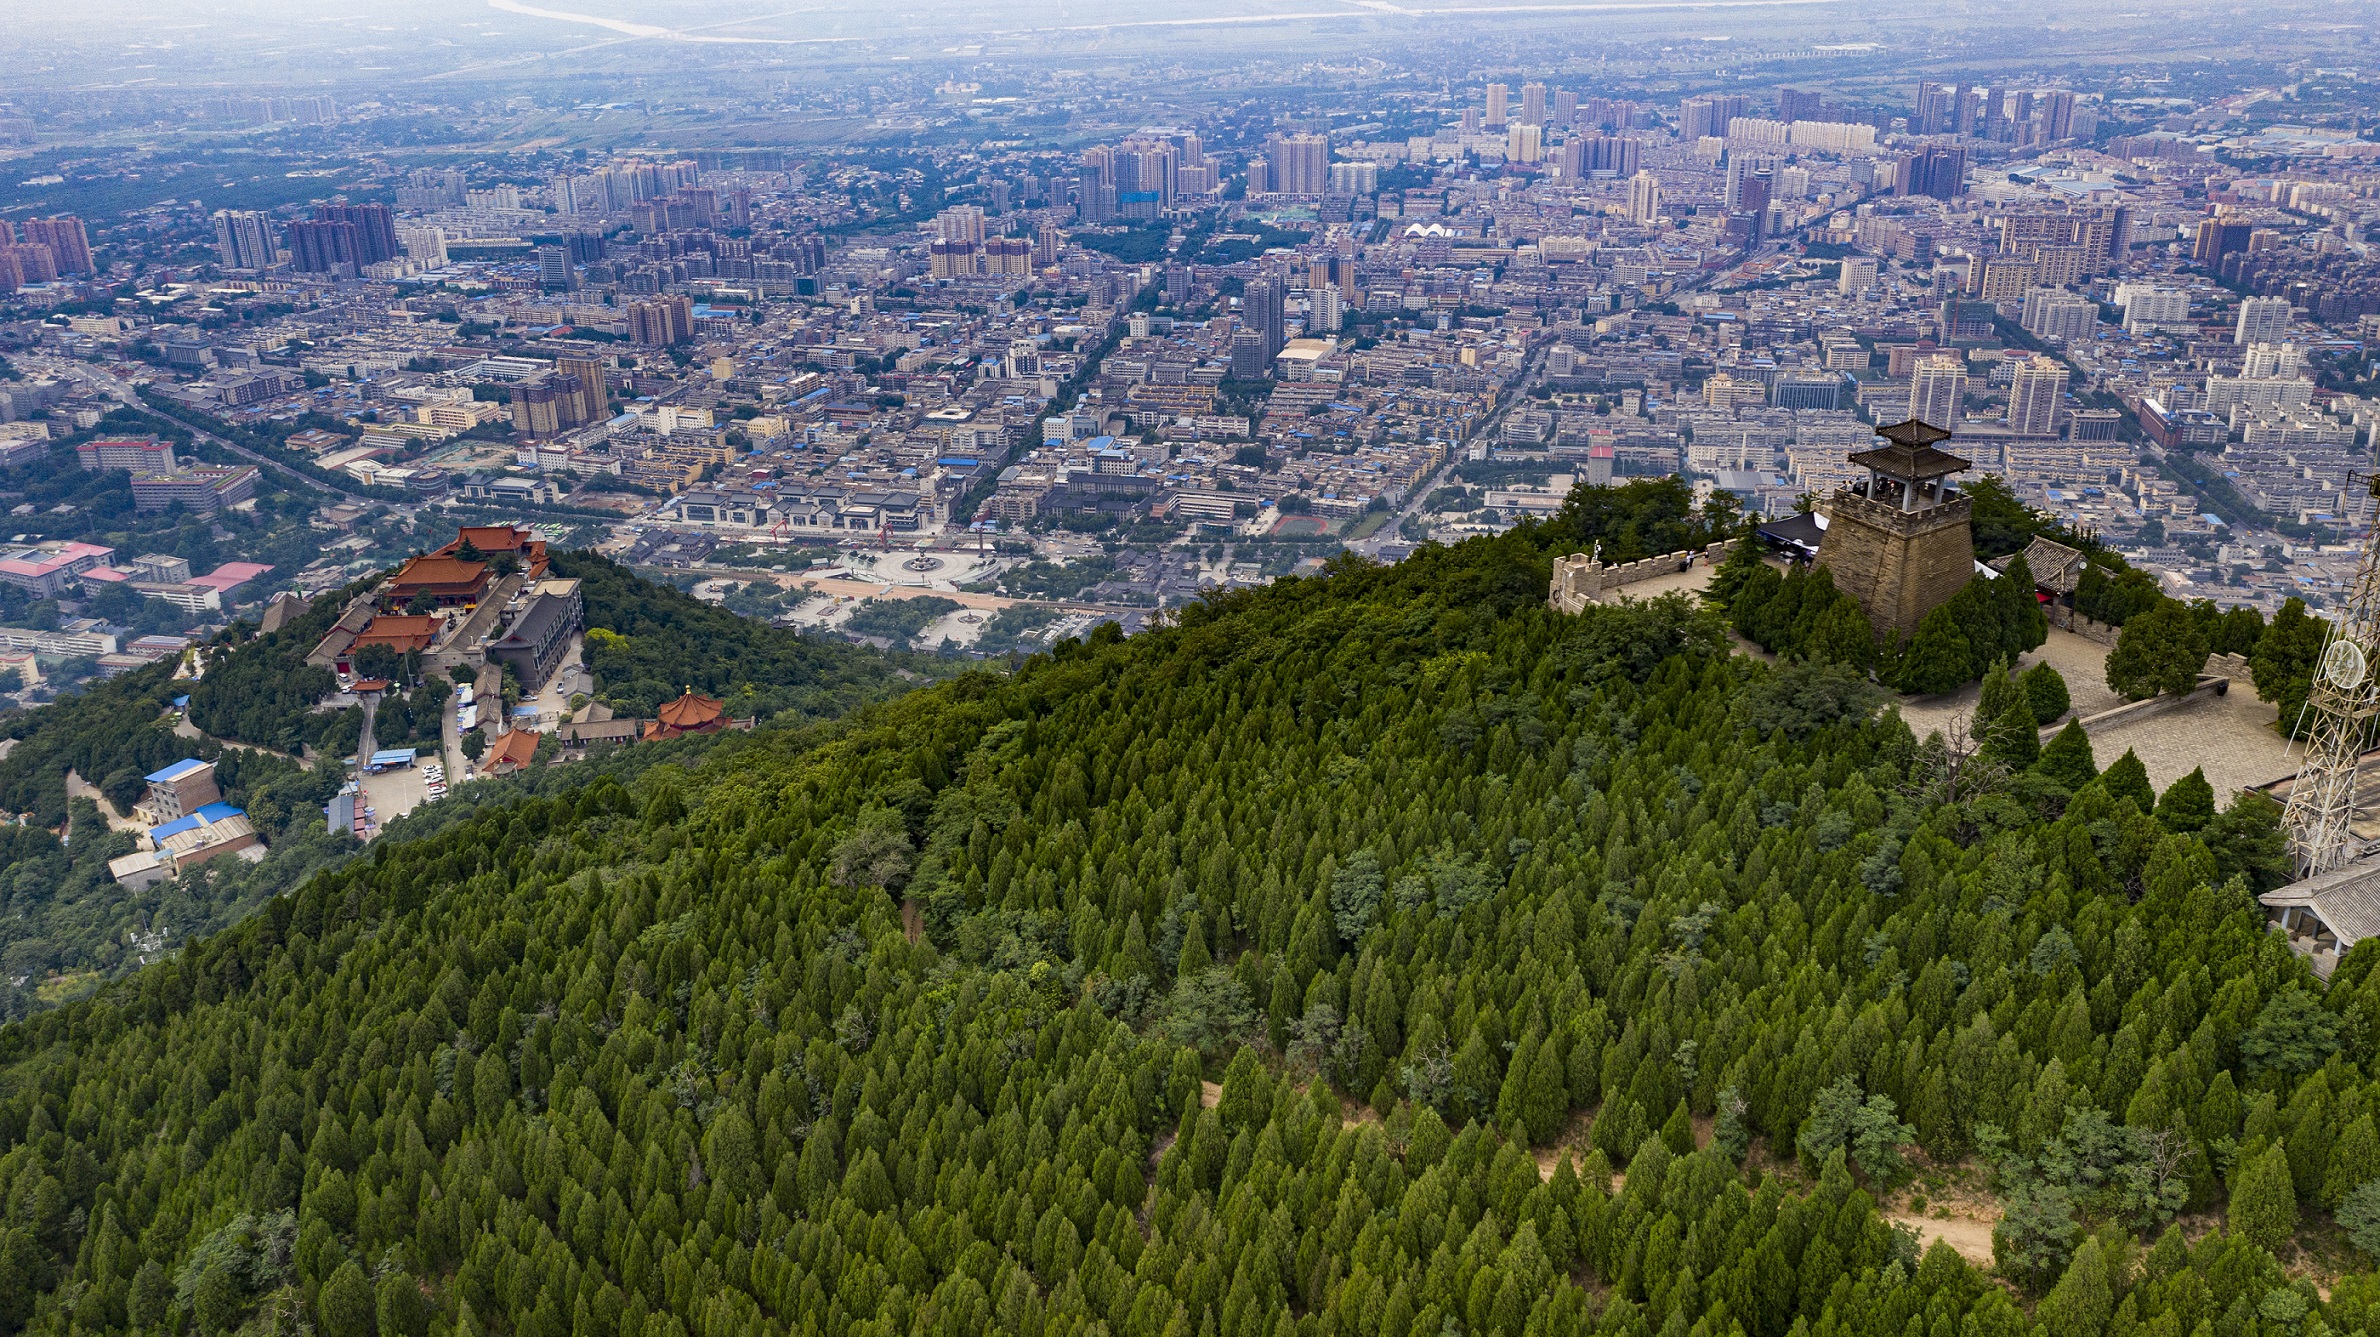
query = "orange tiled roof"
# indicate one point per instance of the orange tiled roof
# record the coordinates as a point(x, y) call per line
point(690, 712)
point(435, 572)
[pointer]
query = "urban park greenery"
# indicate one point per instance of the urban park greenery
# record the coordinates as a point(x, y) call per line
point(1373, 953)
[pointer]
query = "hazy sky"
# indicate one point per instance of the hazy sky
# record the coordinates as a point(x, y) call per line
point(114, 43)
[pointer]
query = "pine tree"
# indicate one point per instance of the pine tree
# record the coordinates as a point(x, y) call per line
point(2079, 1305)
point(1843, 634)
point(2004, 721)
point(2128, 778)
point(2263, 1203)
point(2158, 652)
point(2026, 626)
point(346, 1304)
point(2068, 759)
point(1936, 660)
point(1744, 557)
point(1752, 598)
point(2354, 1160)
point(1512, 1101)
point(2045, 687)
point(2282, 662)
point(2188, 803)
point(1677, 1131)
point(1773, 627)
point(1547, 1106)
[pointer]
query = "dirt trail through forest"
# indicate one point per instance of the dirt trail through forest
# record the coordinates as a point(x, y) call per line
point(1972, 1239)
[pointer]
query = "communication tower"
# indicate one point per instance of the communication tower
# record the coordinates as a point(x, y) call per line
point(2337, 723)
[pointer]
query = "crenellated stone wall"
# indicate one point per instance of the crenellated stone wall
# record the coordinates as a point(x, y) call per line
point(1580, 579)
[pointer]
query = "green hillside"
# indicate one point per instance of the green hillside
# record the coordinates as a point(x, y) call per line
point(65, 925)
point(904, 1023)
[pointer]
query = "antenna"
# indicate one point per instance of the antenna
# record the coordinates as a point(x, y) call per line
point(2337, 722)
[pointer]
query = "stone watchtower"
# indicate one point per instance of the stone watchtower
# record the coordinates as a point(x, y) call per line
point(1900, 543)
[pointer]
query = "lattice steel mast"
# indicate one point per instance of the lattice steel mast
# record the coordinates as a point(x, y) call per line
point(2336, 723)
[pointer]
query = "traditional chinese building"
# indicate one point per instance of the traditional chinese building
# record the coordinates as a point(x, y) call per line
point(1900, 542)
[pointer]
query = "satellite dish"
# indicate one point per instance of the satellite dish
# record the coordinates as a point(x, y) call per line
point(2343, 665)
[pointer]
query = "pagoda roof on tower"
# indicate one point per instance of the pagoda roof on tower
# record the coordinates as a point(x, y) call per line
point(1911, 455)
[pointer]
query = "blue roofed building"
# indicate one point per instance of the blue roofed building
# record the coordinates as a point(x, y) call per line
point(184, 787)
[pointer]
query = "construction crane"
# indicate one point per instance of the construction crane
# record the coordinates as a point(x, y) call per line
point(2336, 723)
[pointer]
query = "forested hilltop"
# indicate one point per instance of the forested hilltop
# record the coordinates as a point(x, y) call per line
point(1554, 974)
point(65, 925)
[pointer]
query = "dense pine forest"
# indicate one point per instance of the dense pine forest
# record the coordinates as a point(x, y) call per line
point(1373, 953)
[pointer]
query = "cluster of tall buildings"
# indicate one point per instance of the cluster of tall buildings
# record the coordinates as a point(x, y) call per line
point(569, 396)
point(660, 321)
point(2020, 116)
point(40, 250)
point(305, 109)
point(1140, 178)
point(1585, 155)
point(1294, 165)
point(342, 238)
point(244, 239)
point(619, 186)
point(964, 247)
point(431, 188)
point(1554, 108)
point(1703, 117)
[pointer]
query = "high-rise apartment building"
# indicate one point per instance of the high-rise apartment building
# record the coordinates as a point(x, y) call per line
point(2055, 111)
point(1935, 111)
point(1940, 170)
point(1008, 256)
point(1565, 108)
point(1261, 310)
point(324, 246)
point(660, 321)
point(244, 239)
point(1794, 104)
point(1584, 155)
point(1497, 115)
point(554, 273)
point(1524, 143)
point(1644, 198)
point(1753, 195)
point(1533, 104)
point(2263, 320)
point(962, 223)
point(1300, 164)
point(2148, 307)
point(1322, 310)
point(1700, 116)
point(586, 375)
point(70, 246)
point(1145, 177)
point(1095, 200)
point(568, 397)
point(2268, 361)
point(1248, 359)
point(1740, 169)
point(2037, 386)
point(2099, 234)
point(375, 229)
point(1857, 275)
point(1355, 178)
point(1937, 389)
point(2218, 237)
point(2054, 313)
